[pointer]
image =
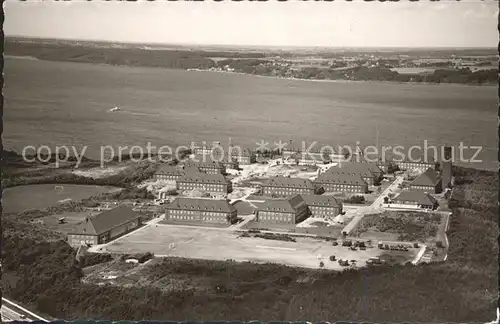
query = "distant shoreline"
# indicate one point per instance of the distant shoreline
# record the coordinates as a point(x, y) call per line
point(27, 57)
point(6, 56)
point(343, 81)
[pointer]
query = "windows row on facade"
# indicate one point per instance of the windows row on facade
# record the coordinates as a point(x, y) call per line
point(195, 212)
point(206, 219)
point(276, 217)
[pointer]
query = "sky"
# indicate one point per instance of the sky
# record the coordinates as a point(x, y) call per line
point(471, 23)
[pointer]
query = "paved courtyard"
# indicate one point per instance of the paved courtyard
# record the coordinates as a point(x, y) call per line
point(217, 244)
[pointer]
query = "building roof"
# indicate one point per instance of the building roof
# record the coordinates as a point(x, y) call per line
point(169, 169)
point(289, 205)
point(428, 178)
point(321, 201)
point(363, 169)
point(201, 204)
point(107, 220)
point(286, 182)
point(202, 177)
point(340, 178)
point(415, 196)
point(315, 149)
point(244, 152)
point(204, 164)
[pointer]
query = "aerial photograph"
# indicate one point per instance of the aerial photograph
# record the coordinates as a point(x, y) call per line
point(250, 161)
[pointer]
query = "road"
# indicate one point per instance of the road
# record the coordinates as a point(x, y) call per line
point(375, 207)
point(13, 312)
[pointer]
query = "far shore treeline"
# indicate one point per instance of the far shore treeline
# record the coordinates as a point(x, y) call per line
point(248, 62)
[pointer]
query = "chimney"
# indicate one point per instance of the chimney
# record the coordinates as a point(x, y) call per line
point(446, 167)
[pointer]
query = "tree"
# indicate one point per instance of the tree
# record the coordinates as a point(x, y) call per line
point(386, 200)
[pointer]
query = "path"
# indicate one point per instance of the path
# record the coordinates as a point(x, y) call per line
point(375, 207)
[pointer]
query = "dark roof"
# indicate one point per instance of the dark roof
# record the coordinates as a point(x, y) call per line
point(244, 152)
point(289, 205)
point(107, 220)
point(169, 169)
point(300, 148)
point(340, 178)
point(320, 200)
point(201, 205)
point(203, 178)
point(362, 169)
point(428, 178)
point(281, 181)
point(415, 196)
point(204, 164)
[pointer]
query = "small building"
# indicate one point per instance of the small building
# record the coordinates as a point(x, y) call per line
point(341, 182)
point(429, 181)
point(212, 183)
point(282, 211)
point(206, 165)
point(321, 206)
point(284, 187)
point(410, 199)
point(201, 210)
point(105, 227)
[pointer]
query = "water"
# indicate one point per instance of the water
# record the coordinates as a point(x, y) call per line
point(59, 103)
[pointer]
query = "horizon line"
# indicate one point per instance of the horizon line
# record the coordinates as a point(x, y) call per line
point(111, 42)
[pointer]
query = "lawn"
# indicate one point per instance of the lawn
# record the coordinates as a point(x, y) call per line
point(23, 198)
point(400, 225)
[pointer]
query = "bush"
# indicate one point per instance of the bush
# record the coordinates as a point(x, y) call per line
point(439, 244)
point(321, 264)
point(91, 259)
point(355, 200)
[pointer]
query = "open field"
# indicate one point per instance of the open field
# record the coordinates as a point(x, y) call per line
point(23, 198)
point(99, 172)
point(212, 244)
point(333, 231)
point(399, 226)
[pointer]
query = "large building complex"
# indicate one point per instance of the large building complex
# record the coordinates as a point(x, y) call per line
point(201, 211)
point(321, 206)
point(245, 157)
point(418, 163)
point(169, 172)
point(215, 156)
point(207, 166)
point(284, 187)
point(104, 227)
point(410, 199)
point(369, 172)
point(282, 211)
point(429, 181)
point(212, 183)
point(341, 182)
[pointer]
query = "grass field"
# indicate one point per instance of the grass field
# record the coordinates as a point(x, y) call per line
point(23, 198)
point(213, 244)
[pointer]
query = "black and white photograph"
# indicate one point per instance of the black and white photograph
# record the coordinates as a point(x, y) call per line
point(250, 161)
